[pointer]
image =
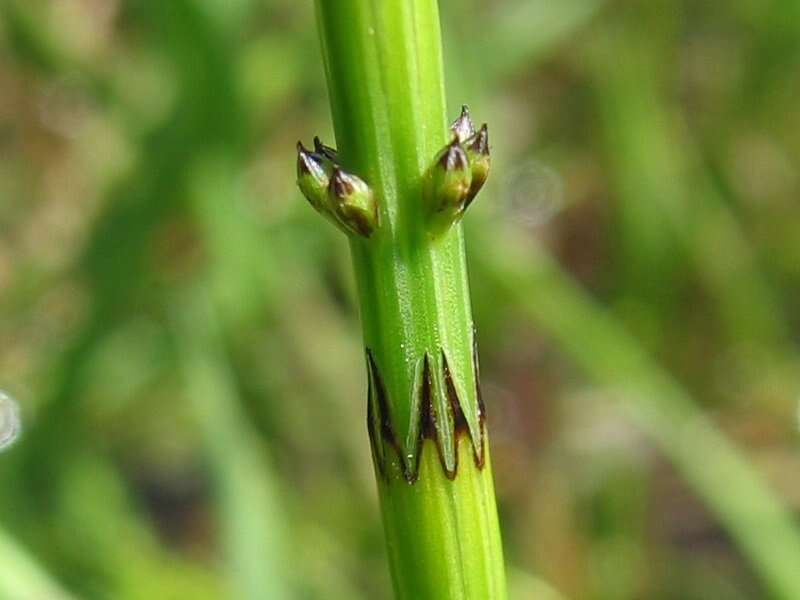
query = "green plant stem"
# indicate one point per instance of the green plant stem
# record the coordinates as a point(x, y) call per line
point(384, 69)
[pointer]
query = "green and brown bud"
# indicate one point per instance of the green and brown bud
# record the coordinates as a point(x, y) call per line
point(313, 176)
point(479, 160)
point(462, 126)
point(447, 185)
point(353, 203)
point(343, 198)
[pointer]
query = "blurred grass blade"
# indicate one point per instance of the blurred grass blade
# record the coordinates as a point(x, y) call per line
point(664, 209)
point(523, 32)
point(21, 578)
point(524, 586)
point(716, 470)
point(249, 508)
point(114, 259)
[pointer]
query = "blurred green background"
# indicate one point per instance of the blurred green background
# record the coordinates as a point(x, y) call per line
point(180, 331)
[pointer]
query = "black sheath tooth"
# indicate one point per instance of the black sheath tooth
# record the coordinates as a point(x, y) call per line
point(480, 449)
point(381, 432)
point(383, 436)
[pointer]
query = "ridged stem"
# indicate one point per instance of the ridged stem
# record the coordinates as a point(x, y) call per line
point(384, 68)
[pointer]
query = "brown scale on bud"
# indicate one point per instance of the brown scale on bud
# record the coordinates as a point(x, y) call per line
point(479, 160)
point(353, 203)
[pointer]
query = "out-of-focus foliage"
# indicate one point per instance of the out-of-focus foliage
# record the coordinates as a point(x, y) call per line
point(180, 331)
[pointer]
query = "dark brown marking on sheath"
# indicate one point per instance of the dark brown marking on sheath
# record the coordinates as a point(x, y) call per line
point(380, 428)
point(382, 434)
point(480, 455)
point(460, 424)
point(426, 427)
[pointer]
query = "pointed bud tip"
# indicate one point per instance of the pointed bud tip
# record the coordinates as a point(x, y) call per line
point(463, 126)
point(480, 141)
point(326, 151)
point(302, 159)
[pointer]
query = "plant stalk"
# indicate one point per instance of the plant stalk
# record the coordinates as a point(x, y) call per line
point(426, 421)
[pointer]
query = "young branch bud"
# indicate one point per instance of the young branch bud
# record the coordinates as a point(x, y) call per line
point(447, 185)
